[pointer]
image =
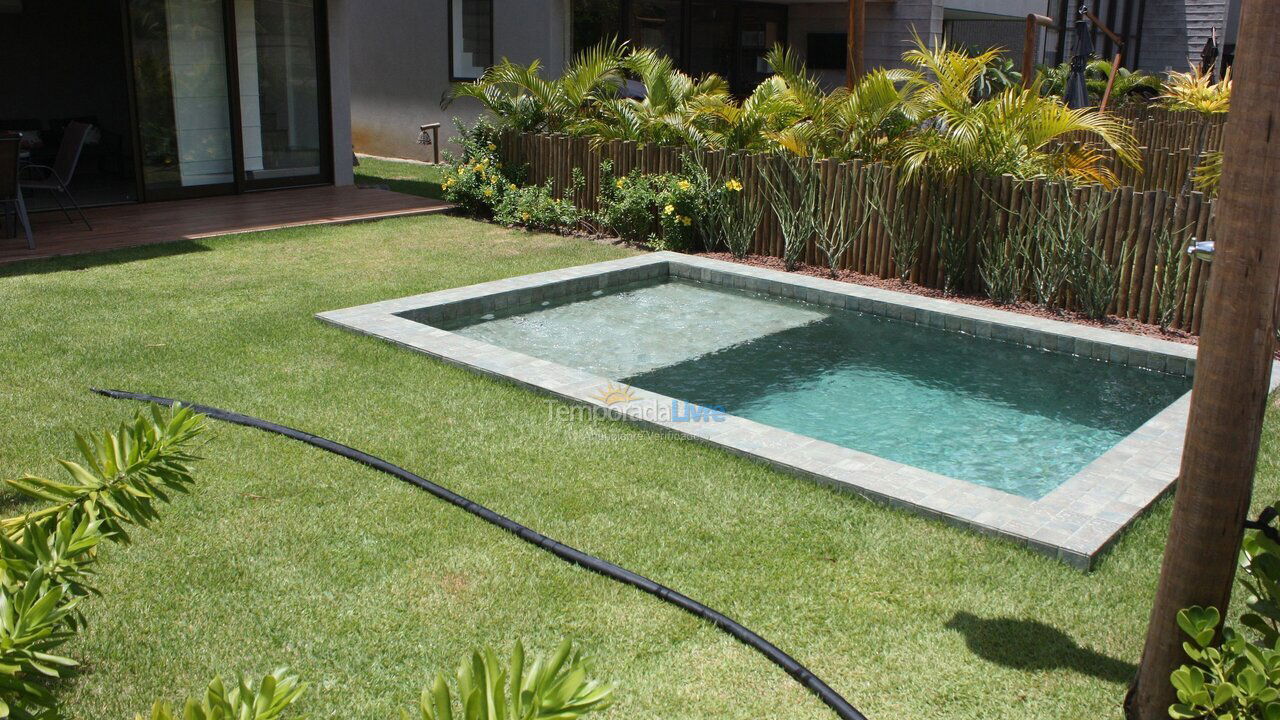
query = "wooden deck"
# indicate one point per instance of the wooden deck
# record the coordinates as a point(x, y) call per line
point(160, 222)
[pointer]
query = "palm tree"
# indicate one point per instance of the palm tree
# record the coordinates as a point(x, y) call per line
point(1196, 92)
point(1016, 131)
point(522, 100)
point(665, 115)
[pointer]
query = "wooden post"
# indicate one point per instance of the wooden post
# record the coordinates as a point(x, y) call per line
point(1034, 23)
point(856, 39)
point(1111, 81)
point(1234, 363)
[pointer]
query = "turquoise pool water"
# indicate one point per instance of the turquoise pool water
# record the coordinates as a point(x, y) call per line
point(992, 413)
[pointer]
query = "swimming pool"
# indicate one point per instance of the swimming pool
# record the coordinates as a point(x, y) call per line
point(1053, 434)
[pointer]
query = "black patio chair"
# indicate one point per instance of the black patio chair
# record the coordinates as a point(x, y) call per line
point(10, 192)
point(57, 178)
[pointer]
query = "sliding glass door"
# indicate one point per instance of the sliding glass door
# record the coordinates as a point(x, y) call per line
point(279, 91)
point(206, 126)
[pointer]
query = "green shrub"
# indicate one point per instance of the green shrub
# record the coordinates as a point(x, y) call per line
point(267, 701)
point(889, 197)
point(1171, 273)
point(476, 180)
point(793, 188)
point(736, 214)
point(838, 227)
point(550, 688)
point(46, 554)
point(1003, 262)
point(628, 205)
point(953, 247)
point(1094, 284)
point(1238, 678)
point(535, 208)
point(555, 687)
point(669, 211)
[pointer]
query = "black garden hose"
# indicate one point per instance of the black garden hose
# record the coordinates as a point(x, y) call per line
point(800, 673)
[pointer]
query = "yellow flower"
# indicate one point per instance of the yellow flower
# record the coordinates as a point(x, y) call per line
point(488, 192)
point(734, 185)
point(525, 215)
point(683, 185)
point(512, 186)
point(492, 146)
point(668, 209)
point(621, 182)
point(686, 219)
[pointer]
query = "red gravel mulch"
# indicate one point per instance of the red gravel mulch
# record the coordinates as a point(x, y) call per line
point(1111, 323)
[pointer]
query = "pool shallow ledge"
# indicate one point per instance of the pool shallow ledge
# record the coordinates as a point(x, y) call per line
point(1075, 522)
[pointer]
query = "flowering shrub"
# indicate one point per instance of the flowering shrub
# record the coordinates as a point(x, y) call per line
point(535, 208)
point(628, 204)
point(685, 211)
point(476, 180)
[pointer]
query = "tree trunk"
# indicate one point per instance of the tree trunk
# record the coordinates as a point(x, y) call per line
point(1233, 366)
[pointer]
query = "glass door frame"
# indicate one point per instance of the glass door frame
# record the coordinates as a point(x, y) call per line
point(240, 182)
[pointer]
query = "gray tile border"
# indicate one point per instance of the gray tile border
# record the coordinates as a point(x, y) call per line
point(1074, 522)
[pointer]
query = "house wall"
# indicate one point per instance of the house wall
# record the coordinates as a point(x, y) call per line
point(400, 66)
point(1174, 32)
point(340, 89)
point(888, 33)
point(890, 25)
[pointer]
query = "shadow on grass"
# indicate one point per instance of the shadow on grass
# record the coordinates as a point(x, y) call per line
point(421, 187)
point(62, 263)
point(1032, 645)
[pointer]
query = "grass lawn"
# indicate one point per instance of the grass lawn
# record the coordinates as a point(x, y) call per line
point(287, 555)
point(406, 177)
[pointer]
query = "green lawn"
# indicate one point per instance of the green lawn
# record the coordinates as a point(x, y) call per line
point(287, 555)
point(406, 177)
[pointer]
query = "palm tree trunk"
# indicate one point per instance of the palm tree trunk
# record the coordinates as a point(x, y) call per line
point(1233, 367)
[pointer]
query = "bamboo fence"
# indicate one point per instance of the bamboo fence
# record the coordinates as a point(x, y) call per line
point(977, 208)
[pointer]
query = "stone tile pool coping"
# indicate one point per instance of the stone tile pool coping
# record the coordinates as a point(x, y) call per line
point(1074, 522)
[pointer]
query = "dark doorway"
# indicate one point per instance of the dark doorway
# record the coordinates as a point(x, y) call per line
point(65, 61)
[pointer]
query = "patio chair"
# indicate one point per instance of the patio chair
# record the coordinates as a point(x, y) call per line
point(10, 193)
point(56, 179)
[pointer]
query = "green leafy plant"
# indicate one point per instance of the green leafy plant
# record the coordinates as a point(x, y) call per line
point(735, 217)
point(268, 700)
point(1004, 261)
point(1096, 280)
point(1238, 677)
point(1171, 272)
point(889, 197)
point(536, 208)
point(845, 214)
point(555, 687)
point(46, 555)
point(1233, 680)
point(628, 204)
point(476, 180)
point(1260, 563)
point(687, 201)
point(793, 186)
point(953, 246)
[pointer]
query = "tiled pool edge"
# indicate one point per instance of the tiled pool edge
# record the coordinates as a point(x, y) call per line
point(1075, 522)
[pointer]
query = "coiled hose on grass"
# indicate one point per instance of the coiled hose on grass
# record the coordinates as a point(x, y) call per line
point(800, 673)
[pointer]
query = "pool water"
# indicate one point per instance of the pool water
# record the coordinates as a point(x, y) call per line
point(993, 413)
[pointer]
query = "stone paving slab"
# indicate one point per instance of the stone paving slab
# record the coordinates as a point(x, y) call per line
point(1074, 522)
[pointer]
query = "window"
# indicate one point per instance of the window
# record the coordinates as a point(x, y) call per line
point(470, 38)
point(827, 51)
point(595, 21)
